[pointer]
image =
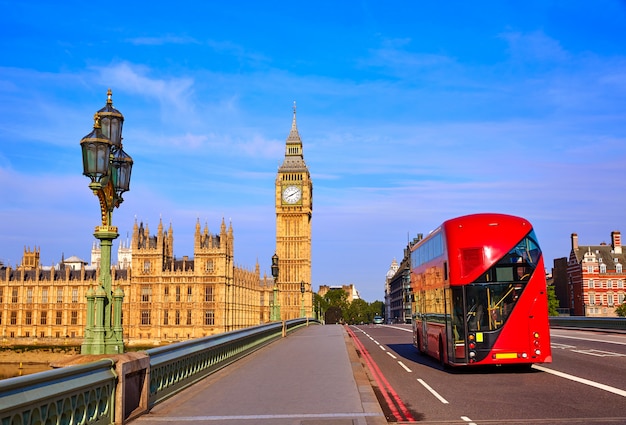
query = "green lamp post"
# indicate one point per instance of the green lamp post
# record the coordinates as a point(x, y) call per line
point(109, 168)
point(275, 314)
point(302, 313)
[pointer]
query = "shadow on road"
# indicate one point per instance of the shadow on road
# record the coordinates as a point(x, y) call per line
point(409, 352)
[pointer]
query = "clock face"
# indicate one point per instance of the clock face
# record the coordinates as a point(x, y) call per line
point(292, 194)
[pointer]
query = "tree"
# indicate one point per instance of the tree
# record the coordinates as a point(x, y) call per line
point(357, 312)
point(334, 305)
point(377, 308)
point(621, 310)
point(337, 298)
point(553, 302)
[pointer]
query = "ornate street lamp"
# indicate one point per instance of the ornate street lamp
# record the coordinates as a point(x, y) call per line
point(109, 168)
point(275, 314)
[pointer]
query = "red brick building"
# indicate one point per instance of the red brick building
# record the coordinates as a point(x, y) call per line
point(596, 277)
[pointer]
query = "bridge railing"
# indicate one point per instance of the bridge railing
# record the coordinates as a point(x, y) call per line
point(607, 323)
point(81, 394)
point(116, 391)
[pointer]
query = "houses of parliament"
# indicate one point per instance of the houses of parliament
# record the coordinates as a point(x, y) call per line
point(168, 299)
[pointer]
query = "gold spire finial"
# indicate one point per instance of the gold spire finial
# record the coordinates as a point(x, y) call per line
point(96, 120)
point(110, 97)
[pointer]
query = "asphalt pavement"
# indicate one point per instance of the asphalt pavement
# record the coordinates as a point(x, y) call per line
point(311, 377)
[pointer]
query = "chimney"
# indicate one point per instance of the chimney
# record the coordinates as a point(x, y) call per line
point(616, 241)
point(574, 241)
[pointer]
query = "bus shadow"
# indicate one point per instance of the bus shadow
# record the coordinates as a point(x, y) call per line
point(409, 352)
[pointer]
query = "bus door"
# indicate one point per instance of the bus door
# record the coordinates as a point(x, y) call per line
point(458, 326)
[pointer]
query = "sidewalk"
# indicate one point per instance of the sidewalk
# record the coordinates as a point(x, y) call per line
point(311, 377)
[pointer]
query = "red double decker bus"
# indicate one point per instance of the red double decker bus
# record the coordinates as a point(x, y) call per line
point(480, 293)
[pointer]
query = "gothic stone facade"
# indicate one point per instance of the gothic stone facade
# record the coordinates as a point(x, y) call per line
point(165, 299)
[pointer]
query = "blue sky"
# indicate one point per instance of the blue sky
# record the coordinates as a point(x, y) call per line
point(409, 112)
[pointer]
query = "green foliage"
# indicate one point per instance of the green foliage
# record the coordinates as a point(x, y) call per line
point(621, 310)
point(335, 307)
point(337, 298)
point(377, 308)
point(357, 312)
point(553, 302)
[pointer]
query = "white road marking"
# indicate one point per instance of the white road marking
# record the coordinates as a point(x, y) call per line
point(598, 353)
point(402, 329)
point(582, 380)
point(433, 392)
point(404, 367)
point(391, 355)
point(466, 419)
point(561, 346)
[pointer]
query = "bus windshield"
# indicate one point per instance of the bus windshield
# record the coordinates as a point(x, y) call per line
point(490, 299)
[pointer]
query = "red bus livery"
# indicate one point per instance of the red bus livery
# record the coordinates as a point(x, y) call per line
point(480, 293)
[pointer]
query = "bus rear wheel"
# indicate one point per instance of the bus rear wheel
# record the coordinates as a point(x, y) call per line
point(420, 344)
point(441, 356)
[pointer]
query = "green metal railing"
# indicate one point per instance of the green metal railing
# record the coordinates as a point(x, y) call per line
point(176, 366)
point(82, 394)
point(85, 394)
point(608, 323)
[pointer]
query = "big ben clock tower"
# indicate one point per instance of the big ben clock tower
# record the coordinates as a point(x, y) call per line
point(294, 207)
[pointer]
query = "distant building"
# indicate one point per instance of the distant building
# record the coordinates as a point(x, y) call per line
point(124, 255)
point(399, 295)
point(350, 290)
point(596, 277)
point(560, 282)
point(393, 268)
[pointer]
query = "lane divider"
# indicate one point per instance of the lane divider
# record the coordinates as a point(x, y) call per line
point(581, 380)
point(404, 367)
point(433, 392)
point(466, 419)
point(421, 381)
point(397, 407)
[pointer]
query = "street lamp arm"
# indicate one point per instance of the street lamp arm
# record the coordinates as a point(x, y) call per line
point(108, 202)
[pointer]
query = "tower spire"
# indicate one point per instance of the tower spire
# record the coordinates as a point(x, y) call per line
point(294, 157)
point(294, 136)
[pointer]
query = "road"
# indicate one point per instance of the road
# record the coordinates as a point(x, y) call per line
point(585, 383)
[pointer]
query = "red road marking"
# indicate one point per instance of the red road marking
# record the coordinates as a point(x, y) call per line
point(385, 388)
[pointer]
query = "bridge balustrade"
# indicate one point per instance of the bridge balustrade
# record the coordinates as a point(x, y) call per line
point(81, 394)
point(116, 391)
point(609, 323)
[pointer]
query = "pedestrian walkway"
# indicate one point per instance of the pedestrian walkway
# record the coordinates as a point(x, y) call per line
point(311, 377)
